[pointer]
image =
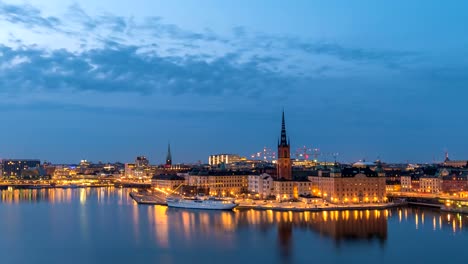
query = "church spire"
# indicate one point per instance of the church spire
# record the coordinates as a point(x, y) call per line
point(283, 141)
point(169, 156)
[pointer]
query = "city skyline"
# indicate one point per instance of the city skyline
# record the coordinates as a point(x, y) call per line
point(107, 81)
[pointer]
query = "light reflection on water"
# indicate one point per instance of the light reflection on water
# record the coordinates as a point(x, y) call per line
point(90, 219)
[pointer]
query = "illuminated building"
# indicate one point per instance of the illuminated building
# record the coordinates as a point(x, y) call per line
point(350, 185)
point(167, 181)
point(12, 168)
point(219, 182)
point(129, 169)
point(261, 185)
point(430, 184)
point(410, 183)
point(287, 190)
point(217, 159)
point(141, 162)
point(64, 172)
point(454, 163)
point(283, 165)
point(455, 181)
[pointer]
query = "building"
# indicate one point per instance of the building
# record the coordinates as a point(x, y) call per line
point(261, 185)
point(217, 159)
point(454, 163)
point(283, 164)
point(129, 170)
point(287, 190)
point(350, 185)
point(454, 181)
point(141, 162)
point(64, 172)
point(12, 168)
point(168, 157)
point(220, 183)
point(430, 184)
point(284, 189)
point(167, 181)
point(410, 183)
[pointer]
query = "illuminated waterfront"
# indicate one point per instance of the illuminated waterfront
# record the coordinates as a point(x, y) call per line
point(104, 225)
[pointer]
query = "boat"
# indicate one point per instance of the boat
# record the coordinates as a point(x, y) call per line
point(67, 186)
point(146, 198)
point(201, 202)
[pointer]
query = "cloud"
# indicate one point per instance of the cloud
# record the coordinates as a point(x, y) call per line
point(154, 34)
point(122, 68)
point(28, 16)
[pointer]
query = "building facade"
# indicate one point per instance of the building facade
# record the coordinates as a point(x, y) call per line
point(261, 185)
point(350, 185)
point(430, 184)
point(167, 181)
point(217, 159)
point(220, 183)
point(141, 162)
point(12, 168)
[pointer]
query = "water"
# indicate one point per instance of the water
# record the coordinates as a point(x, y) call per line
point(105, 226)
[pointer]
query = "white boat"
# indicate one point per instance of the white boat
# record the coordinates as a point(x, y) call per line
point(201, 202)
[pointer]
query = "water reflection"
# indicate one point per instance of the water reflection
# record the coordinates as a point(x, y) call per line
point(159, 227)
point(104, 195)
point(437, 220)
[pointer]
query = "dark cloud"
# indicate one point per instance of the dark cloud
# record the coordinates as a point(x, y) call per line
point(28, 16)
point(387, 57)
point(122, 68)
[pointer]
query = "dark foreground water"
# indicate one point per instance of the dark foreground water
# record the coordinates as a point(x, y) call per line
point(105, 226)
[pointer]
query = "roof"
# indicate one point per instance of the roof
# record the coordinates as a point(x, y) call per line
point(352, 171)
point(170, 177)
point(221, 173)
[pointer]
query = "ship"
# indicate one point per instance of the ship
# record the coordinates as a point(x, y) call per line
point(201, 202)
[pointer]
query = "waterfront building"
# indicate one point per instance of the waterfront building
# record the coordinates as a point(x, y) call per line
point(430, 184)
point(350, 185)
point(219, 183)
point(167, 181)
point(410, 183)
point(284, 189)
point(36, 173)
point(283, 163)
point(64, 172)
point(454, 181)
point(261, 185)
point(217, 159)
point(12, 168)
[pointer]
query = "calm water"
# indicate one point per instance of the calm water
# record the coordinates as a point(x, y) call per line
point(106, 226)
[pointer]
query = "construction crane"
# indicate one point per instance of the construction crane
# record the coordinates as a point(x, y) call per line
point(303, 153)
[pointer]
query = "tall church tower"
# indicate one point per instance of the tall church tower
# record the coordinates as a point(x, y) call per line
point(168, 157)
point(283, 165)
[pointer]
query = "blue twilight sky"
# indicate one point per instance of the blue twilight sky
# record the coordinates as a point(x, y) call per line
point(109, 80)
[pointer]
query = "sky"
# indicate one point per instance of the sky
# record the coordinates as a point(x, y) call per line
point(110, 80)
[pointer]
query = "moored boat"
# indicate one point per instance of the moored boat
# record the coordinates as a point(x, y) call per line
point(201, 202)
